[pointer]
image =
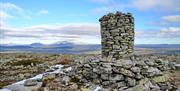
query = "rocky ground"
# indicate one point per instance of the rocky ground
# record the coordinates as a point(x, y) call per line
point(18, 66)
point(90, 72)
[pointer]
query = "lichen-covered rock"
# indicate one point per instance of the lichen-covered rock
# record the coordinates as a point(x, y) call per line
point(158, 79)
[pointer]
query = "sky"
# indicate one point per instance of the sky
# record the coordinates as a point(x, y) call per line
point(77, 21)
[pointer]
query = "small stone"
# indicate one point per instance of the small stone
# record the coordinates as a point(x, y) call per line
point(87, 65)
point(118, 85)
point(106, 83)
point(152, 71)
point(104, 76)
point(143, 81)
point(74, 86)
point(139, 76)
point(177, 66)
point(66, 80)
point(48, 76)
point(131, 82)
point(127, 64)
point(160, 79)
point(126, 72)
point(95, 70)
point(136, 69)
point(150, 62)
point(21, 76)
point(155, 88)
point(140, 63)
point(136, 88)
point(30, 83)
point(116, 77)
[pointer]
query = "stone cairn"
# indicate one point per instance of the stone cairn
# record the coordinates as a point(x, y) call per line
point(117, 31)
point(118, 71)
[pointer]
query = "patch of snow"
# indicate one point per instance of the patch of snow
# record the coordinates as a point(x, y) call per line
point(38, 76)
point(68, 69)
point(20, 82)
point(58, 70)
point(59, 66)
point(5, 90)
point(97, 88)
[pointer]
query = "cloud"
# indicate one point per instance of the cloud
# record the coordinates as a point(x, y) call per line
point(148, 5)
point(166, 32)
point(88, 33)
point(166, 35)
point(9, 6)
point(74, 32)
point(11, 11)
point(42, 12)
point(172, 18)
point(170, 32)
point(165, 5)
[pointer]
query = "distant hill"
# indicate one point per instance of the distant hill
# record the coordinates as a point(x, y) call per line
point(37, 45)
point(62, 44)
point(69, 47)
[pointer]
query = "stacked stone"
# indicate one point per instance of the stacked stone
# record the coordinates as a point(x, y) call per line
point(117, 31)
point(127, 74)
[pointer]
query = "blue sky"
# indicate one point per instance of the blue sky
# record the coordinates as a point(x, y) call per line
point(49, 21)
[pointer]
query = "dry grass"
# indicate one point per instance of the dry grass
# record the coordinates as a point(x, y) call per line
point(175, 77)
point(64, 61)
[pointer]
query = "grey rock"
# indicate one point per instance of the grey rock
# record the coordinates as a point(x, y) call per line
point(140, 63)
point(150, 62)
point(30, 82)
point(131, 82)
point(136, 88)
point(118, 85)
point(139, 76)
point(177, 66)
point(126, 72)
point(136, 69)
point(127, 63)
point(116, 77)
point(74, 86)
point(104, 76)
point(152, 71)
point(66, 80)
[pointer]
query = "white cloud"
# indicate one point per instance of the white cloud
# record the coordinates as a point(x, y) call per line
point(12, 10)
point(42, 12)
point(142, 5)
point(166, 32)
point(167, 35)
point(172, 18)
point(74, 32)
point(9, 6)
point(170, 32)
